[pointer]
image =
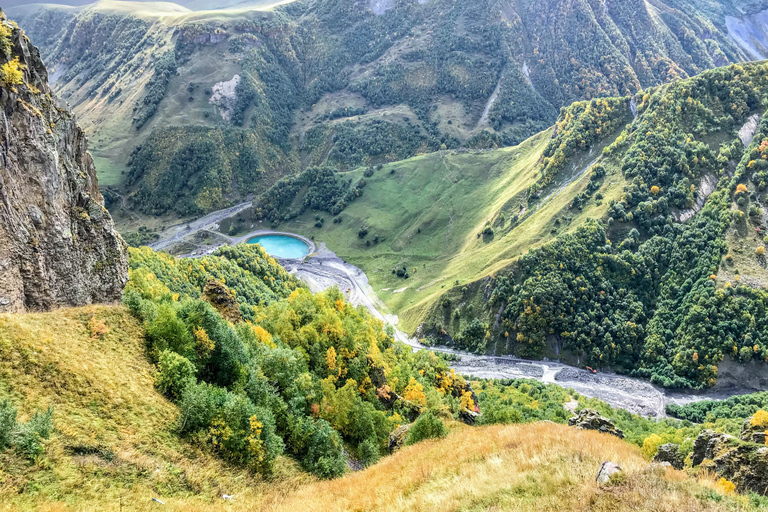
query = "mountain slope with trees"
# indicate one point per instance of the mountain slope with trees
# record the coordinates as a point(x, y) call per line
point(349, 84)
point(652, 288)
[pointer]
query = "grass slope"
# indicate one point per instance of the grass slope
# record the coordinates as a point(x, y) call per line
point(114, 446)
point(535, 467)
point(430, 209)
point(114, 437)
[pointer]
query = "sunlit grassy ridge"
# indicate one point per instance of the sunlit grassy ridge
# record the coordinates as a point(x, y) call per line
point(429, 210)
point(536, 467)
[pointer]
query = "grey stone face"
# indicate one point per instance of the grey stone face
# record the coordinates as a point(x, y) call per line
point(58, 244)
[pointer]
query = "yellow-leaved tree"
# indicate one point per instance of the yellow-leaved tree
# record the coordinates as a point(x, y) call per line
point(414, 392)
point(12, 73)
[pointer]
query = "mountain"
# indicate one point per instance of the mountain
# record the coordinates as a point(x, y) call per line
point(193, 111)
point(58, 244)
point(589, 242)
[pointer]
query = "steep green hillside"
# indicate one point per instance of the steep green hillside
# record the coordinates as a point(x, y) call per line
point(350, 84)
point(167, 399)
point(451, 216)
point(652, 289)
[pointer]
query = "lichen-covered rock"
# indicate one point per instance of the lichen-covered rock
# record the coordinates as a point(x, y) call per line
point(397, 437)
point(58, 245)
point(753, 430)
point(669, 453)
point(590, 419)
point(606, 471)
point(743, 463)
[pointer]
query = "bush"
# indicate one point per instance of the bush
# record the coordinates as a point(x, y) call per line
point(25, 437)
point(368, 452)
point(199, 404)
point(175, 373)
point(12, 73)
point(7, 423)
point(166, 331)
point(324, 456)
point(28, 436)
point(427, 426)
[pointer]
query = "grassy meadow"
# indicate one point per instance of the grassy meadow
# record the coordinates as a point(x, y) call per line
point(429, 213)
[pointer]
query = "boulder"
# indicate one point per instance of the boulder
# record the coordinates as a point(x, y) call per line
point(670, 453)
point(607, 469)
point(468, 417)
point(397, 437)
point(743, 463)
point(590, 419)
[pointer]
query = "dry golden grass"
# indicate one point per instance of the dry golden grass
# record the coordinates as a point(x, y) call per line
point(115, 447)
point(535, 467)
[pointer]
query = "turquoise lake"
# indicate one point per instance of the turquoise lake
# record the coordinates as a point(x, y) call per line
point(281, 246)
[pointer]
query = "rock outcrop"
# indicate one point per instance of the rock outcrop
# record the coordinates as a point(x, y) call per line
point(753, 431)
point(670, 453)
point(218, 295)
point(58, 245)
point(397, 437)
point(590, 419)
point(742, 462)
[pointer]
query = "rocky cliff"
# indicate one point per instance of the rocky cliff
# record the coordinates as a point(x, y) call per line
point(58, 245)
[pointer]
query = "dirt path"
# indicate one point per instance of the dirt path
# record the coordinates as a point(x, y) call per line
point(489, 105)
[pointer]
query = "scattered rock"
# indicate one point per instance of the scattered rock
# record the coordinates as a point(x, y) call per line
point(607, 469)
point(669, 454)
point(590, 419)
point(658, 466)
point(397, 437)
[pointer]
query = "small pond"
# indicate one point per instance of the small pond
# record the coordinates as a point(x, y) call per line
point(281, 246)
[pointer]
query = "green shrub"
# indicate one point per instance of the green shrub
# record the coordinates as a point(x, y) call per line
point(28, 437)
point(426, 426)
point(199, 404)
point(324, 456)
point(166, 331)
point(175, 373)
point(368, 452)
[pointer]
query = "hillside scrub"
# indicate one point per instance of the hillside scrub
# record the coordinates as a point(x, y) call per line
point(301, 375)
